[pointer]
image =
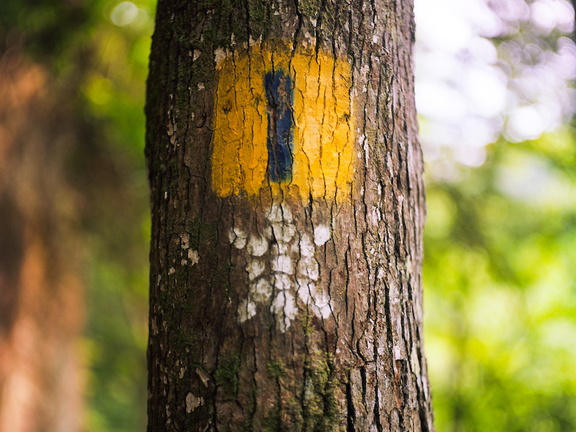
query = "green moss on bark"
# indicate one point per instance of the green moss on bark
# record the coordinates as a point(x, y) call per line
point(275, 369)
point(319, 404)
point(227, 374)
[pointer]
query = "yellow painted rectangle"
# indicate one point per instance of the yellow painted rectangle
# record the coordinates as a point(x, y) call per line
point(323, 131)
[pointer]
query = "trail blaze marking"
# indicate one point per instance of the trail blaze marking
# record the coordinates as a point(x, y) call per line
point(279, 94)
point(283, 120)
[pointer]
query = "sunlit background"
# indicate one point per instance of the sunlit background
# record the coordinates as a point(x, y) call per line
point(495, 99)
point(494, 90)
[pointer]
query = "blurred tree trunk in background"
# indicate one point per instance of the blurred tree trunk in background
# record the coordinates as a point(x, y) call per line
point(73, 216)
point(41, 307)
point(287, 214)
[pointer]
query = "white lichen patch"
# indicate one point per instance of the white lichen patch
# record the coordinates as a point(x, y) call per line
point(322, 304)
point(257, 246)
point(238, 238)
point(281, 248)
point(282, 268)
point(262, 291)
point(254, 268)
point(304, 290)
point(267, 232)
point(279, 213)
point(185, 241)
point(284, 307)
point(171, 270)
point(193, 257)
point(306, 247)
point(282, 282)
point(317, 301)
point(321, 235)
point(282, 264)
point(219, 56)
point(193, 402)
point(246, 310)
point(308, 268)
point(283, 232)
point(255, 42)
point(309, 40)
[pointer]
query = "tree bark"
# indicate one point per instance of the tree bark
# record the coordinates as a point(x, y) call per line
point(287, 214)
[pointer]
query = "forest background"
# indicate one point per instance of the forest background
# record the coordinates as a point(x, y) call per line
point(495, 94)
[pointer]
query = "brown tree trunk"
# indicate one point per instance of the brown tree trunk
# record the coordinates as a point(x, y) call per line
point(287, 208)
point(41, 308)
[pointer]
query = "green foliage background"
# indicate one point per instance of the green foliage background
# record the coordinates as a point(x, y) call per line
point(500, 269)
point(500, 290)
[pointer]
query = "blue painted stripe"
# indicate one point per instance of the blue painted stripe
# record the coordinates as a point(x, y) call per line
point(279, 93)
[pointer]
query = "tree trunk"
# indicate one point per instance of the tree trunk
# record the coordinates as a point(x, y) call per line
point(287, 209)
point(41, 304)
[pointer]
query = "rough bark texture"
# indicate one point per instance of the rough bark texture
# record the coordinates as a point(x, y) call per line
point(271, 308)
point(41, 307)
